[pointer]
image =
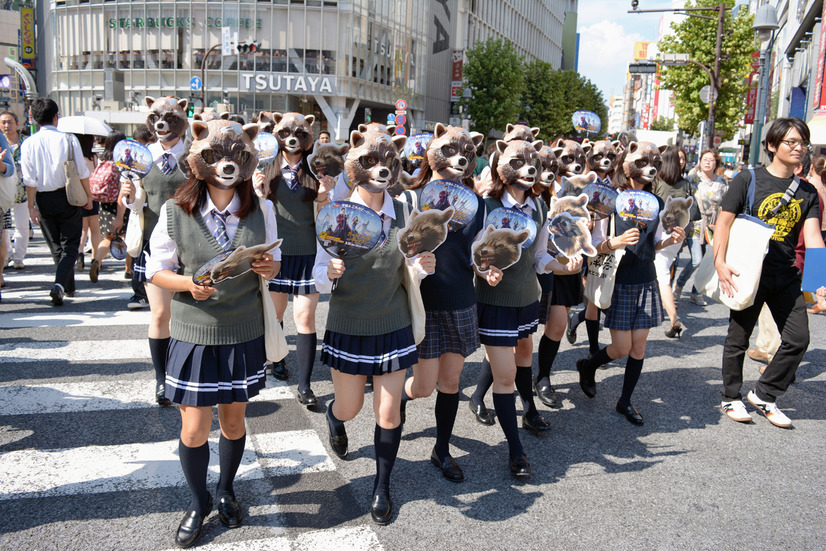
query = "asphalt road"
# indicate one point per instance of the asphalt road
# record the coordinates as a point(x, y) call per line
point(87, 461)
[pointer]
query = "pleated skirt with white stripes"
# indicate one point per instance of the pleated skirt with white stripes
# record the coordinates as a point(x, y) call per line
point(506, 325)
point(371, 354)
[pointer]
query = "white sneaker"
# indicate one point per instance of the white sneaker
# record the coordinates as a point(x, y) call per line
point(736, 411)
point(698, 299)
point(770, 410)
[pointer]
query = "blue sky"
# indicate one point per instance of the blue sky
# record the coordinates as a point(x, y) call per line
point(607, 37)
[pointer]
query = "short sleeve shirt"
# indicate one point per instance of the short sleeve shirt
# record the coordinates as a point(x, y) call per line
point(788, 222)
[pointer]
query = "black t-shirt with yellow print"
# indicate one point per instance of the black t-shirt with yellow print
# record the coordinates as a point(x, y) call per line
point(788, 222)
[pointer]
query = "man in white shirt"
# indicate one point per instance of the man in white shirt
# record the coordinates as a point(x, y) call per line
point(42, 157)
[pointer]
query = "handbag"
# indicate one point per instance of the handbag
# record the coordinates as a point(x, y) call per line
point(410, 280)
point(275, 343)
point(748, 244)
point(8, 191)
point(75, 192)
point(602, 274)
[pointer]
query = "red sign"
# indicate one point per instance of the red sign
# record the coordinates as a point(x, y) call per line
point(820, 101)
point(751, 100)
point(458, 58)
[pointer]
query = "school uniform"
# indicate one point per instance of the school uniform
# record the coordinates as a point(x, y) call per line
point(368, 322)
point(216, 353)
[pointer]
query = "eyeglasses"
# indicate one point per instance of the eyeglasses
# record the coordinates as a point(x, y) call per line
point(794, 144)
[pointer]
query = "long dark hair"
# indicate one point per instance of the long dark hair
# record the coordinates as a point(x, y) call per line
point(671, 173)
point(86, 142)
point(109, 144)
point(191, 196)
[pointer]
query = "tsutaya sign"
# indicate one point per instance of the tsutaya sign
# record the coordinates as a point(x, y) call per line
point(287, 83)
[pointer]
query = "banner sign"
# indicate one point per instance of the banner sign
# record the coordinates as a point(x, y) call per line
point(27, 33)
point(820, 101)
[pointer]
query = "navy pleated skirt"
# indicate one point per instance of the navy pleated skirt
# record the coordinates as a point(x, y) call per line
point(296, 275)
point(200, 375)
point(371, 354)
point(506, 326)
point(568, 290)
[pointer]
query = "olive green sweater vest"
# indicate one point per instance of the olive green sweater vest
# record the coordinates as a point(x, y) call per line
point(296, 220)
point(369, 298)
point(233, 313)
point(159, 187)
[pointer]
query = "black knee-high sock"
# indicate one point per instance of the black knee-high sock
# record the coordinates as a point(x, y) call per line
point(194, 462)
point(386, 442)
point(230, 453)
point(633, 368)
point(524, 385)
point(592, 327)
point(446, 407)
point(598, 359)
point(336, 426)
point(305, 348)
point(546, 355)
point(578, 319)
point(506, 412)
point(157, 350)
point(483, 384)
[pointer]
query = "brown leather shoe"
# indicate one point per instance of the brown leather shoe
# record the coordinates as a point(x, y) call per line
point(758, 356)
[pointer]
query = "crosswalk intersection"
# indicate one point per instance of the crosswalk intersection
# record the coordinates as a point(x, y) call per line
point(88, 460)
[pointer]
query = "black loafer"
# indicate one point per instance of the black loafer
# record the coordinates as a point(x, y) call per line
point(482, 414)
point(160, 396)
point(546, 393)
point(450, 470)
point(586, 379)
point(570, 331)
point(520, 466)
point(229, 512)
point(190, 527)
point(381, 509)
point(307, 398)
point(56, 295)
point(279, 370)
point(535, 423)
point(338, 442)
point(631, 413)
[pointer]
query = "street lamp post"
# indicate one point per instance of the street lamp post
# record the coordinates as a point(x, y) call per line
point(203, 80)
point(765, 23)
point(718, 50)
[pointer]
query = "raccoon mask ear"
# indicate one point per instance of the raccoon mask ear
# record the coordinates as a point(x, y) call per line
point(277, 117)
point(439, 131)
point(251, 130)
point(149, 100)
point(343, 149)
point(586, 147)
point(535, 131)
point(560, 143)
point(362, 128)
point(501, 146)
point(224, 116)
point(582, 200)
point(199, 130)
point(662, 148)
point(265, 117)
point(183, 103)
point(557, 150)
point(689, 202)
point(616, 144)
point(538, 144)
point(310, 119)
point(477, 138)
point(632, 147)
point(399, 142)
point(356, 139)
point(591, 177)
point(490, 229)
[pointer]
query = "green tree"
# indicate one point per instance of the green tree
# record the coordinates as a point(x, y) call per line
point(697, 37)
point(663, 123)
point(552, 96)
point(494, 73)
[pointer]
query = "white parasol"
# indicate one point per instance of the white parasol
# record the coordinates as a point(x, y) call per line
point(83, 125)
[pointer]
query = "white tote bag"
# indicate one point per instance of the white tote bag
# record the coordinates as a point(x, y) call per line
point(602, 274)
point(275, 343)
point(8, 191)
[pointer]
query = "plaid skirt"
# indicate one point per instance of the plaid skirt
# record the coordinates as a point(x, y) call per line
point(296, 275)
point(200, 375)
point(455, 331)
point(635, 307)
point(567, 290)
point(369, 354)
point(505, 325)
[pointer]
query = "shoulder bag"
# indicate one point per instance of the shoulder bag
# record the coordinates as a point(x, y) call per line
point(75, 193)
point(8, 191)
point(748, 244)
point(275, 343)
point(602, 273)
point(410, 280)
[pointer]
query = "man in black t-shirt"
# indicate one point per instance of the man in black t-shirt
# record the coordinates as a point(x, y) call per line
point(786, 142)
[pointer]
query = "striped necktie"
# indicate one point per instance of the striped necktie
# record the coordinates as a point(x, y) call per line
point(220, 231)
point(166, 164)
point(383, 236)
point(292, 177)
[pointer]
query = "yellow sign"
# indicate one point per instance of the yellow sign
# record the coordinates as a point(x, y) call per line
point(641, 50)
point(27, 32)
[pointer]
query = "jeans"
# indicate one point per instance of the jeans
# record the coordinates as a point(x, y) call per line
point(695, 247)
point(781, 293)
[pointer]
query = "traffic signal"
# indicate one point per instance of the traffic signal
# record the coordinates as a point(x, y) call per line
point(249, 47)
point(190, 111)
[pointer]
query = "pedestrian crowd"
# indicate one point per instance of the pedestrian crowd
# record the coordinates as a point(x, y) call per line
point(394, 306)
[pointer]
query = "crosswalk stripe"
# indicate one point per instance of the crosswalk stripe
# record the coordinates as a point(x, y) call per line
point(18, 320)
point(73, 351)
point(81, 297)
point(130, 467)
point(336, 539)
point(95, 396)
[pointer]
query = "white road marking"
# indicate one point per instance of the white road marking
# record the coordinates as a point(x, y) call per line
point(335, 539)
point(75, 351)
point(19, 320)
